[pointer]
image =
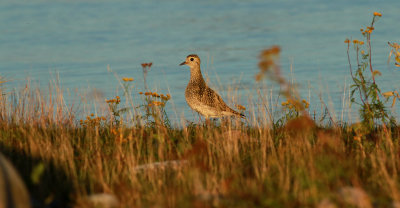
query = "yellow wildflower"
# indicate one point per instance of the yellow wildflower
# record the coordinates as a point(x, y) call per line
point(165, 97)
point(355, 41)
point(157, 103)
point(127, 79)
point(117, 100)
point(377, 14)
point(111, 101)
point(306, 104)
point(347, 40)
point(361, 42)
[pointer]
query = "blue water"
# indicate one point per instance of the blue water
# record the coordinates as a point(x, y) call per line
point(79, 39)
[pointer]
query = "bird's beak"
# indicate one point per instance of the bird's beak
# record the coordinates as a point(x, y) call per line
point(183, 63)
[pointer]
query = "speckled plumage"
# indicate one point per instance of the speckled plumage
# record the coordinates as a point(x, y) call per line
point(202, 98)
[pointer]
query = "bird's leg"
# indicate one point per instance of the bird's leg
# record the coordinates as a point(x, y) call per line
point(199, 117)
point(207, 123)
point(214, 121)
point(239, 122)
point(223, 121)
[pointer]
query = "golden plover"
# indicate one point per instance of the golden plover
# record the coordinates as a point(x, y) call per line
point(202, 98)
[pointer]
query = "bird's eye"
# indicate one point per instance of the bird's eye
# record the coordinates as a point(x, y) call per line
point(191, 59)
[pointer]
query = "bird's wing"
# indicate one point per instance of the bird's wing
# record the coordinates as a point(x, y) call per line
point(212, 99)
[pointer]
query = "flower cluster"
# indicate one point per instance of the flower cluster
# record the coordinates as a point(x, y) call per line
point(92, 120)
point(156, 95)
point(269, 59)
point(355, 42)
point(306, 104)
point(293, 104)
point(368, 30)
point(377, 14)
point(116, 100)
point(241, 107)
point(118, 133)
point(144, 65)
point(156, 103)
point(127, 79)
point(358, 42)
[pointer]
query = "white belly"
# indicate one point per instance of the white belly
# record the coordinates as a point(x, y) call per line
point(205, 110)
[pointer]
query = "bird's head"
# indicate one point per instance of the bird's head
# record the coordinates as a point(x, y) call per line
point(192, 60)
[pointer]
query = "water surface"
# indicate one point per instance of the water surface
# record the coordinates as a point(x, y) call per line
point(79, 39)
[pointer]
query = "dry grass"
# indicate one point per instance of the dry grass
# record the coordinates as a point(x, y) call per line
point(225, 164)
